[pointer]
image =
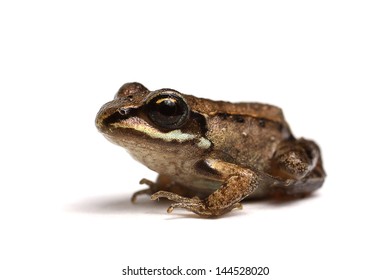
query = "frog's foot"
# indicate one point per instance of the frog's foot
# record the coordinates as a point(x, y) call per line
point(148, 191)
point(194, 204)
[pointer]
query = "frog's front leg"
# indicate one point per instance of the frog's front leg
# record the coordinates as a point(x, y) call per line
point(237, 183)
point(150, 190)
point(163, 183)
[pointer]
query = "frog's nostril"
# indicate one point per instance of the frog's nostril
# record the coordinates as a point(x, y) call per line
point(124, 111)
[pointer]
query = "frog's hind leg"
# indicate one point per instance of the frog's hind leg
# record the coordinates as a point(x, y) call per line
point(299, 164)
point(163, 183)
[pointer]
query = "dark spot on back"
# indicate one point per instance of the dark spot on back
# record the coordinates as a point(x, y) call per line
point(262, 122)
point(239, 119)
point(223, 116)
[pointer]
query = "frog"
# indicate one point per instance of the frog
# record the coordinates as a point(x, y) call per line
point(210, 155)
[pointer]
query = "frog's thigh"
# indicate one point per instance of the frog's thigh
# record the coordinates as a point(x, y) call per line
point(295, 159)
point(299, 162)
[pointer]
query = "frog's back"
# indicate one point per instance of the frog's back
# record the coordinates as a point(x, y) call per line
point(243, 133)
point(255, 110)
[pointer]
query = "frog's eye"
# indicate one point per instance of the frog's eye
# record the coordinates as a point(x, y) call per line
point(167, 110)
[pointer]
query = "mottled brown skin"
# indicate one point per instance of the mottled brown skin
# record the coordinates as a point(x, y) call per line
point(216, 154)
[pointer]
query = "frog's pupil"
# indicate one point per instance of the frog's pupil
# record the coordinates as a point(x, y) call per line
point(168, 107)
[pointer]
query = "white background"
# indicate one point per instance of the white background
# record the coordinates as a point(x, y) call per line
point(65, 211)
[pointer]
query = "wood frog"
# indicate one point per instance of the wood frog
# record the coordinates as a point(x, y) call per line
point(210, 155)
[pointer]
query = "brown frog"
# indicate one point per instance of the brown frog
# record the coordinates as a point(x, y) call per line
point(210, 155)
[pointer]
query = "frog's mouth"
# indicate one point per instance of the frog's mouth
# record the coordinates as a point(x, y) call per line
point(136, 127)
point(141, 126)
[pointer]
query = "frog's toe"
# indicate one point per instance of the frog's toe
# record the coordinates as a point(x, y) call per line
point(200, 208)
point(147, 191)
point(170, 195)
point(237, 206)
point(138, 193)
point(147, 182)
point(194, 204)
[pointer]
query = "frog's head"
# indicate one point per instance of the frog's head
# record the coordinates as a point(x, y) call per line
point(154, 120)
